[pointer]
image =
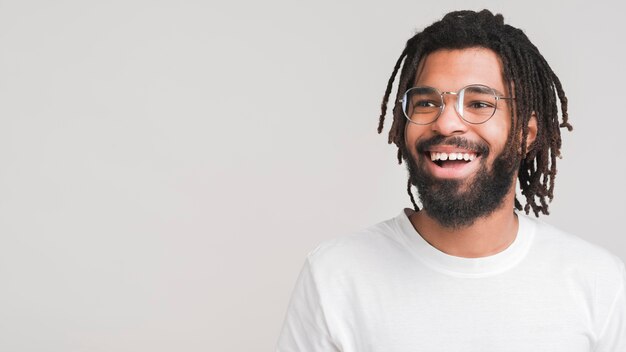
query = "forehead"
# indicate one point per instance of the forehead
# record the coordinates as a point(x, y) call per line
point(453, 69)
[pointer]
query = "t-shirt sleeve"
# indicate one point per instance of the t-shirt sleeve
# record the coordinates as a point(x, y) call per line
point(305, 328)
point(613, 336)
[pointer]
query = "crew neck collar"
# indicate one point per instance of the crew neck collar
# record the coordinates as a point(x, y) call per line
point(467, 267)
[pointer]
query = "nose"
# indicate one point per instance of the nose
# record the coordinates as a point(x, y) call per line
point(449, 123)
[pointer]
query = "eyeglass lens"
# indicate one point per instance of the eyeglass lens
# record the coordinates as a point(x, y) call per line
point(475, 104)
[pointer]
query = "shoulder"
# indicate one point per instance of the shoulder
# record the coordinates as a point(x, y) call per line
point(358, 250)
point(574, 253)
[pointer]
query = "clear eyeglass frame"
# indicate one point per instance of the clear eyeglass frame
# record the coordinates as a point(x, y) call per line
point(458, 109)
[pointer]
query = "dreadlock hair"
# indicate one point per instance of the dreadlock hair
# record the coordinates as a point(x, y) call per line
point(525, 72)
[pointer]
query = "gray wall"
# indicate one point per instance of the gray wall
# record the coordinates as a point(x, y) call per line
point(165, 166)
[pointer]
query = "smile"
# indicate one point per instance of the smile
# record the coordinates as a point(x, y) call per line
point(434, 156)
point(447, 163)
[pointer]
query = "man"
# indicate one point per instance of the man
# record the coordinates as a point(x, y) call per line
point(476, 109)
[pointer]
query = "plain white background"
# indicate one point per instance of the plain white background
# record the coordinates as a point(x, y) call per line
point(165, 166)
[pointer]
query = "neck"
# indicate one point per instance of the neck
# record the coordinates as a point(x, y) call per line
point(486, 236)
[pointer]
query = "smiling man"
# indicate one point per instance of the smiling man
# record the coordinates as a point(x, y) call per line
point(476, 110)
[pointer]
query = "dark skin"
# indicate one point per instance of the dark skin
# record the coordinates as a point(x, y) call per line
point(450, 70)
point(538, 91)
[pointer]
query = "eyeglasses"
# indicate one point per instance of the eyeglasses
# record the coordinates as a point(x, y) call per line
point(475, 104)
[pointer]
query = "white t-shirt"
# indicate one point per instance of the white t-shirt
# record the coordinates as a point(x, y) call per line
point(386, 289)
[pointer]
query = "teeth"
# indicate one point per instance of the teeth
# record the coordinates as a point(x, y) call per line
point(434, 156)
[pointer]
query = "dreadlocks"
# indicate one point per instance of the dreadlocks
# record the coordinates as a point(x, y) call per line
point(526, 73)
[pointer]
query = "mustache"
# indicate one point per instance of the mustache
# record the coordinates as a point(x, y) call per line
point(455, 141)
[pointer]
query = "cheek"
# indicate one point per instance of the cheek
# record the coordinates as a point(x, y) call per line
point(413, 133)
point(496, 132)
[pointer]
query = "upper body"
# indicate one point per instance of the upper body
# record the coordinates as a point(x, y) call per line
point(387, 289)
point(476, 115)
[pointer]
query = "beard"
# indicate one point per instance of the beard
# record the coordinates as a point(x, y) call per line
point(458, 203)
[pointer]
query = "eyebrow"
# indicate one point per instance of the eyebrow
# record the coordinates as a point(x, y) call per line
point(494, 89)
point(499, 92)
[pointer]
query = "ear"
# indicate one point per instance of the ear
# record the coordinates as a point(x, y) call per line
point(532, 130)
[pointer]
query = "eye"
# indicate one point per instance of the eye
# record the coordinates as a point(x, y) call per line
point(480, 105)
point(425, 104)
